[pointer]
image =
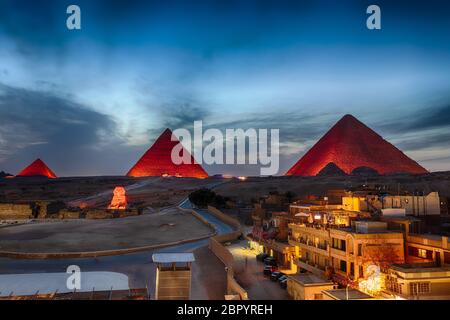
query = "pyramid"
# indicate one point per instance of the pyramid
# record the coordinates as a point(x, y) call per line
point(37, 168)
point(350, 145)
point(157, 161)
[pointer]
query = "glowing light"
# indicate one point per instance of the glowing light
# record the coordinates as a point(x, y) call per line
point(242, 178)
point(372, 285)
point(119, 200)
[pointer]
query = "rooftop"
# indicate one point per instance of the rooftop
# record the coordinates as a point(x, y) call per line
point(309, 279)
point(172, 257)
point(418, 267)
point(341, 294)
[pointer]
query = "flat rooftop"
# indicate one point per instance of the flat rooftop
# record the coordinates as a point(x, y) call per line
point(309, 279)
point(341, 294)
point(172, 257)
point(418, 267)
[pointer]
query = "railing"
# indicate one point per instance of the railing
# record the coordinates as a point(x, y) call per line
point(310, 243)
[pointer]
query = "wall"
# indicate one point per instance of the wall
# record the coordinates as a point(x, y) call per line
point(300, 292)
point(15, 211)
point(215, 245)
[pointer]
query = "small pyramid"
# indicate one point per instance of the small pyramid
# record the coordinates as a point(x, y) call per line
point(331, 170)
point(157, 161)
point(37, 169)
point(350, 144)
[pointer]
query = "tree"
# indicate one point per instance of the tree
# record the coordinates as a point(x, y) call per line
point(289, 196)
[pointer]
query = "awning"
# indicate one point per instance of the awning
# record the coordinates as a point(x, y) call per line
point(302, 214)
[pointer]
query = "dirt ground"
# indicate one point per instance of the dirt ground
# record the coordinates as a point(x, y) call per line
point(91, 235)
point(254, 187)
point(157, 192)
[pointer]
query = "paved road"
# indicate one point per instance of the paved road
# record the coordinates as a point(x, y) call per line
point(250, 276)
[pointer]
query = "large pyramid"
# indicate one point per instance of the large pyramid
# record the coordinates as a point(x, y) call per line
point(37, 169)
point(157, 161)
point(351, 145)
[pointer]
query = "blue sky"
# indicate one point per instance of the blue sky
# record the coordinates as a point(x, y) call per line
point(92, 101)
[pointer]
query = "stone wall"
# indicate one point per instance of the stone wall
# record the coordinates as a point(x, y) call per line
point(12, 211)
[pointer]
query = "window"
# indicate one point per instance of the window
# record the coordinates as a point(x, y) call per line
point(343, 266)
point(338, 244)
point(360, 248)
point(318, 296)
point(361, 271)
point(393, 285)
point(422, 253)
point(419, 287)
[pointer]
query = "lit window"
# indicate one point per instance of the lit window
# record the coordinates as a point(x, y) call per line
point(422, 253)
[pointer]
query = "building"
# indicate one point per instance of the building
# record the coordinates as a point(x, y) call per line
point(173, 275)
point(345, 294)
point(428, 248)
point(418, 281)
point(345, 254)
point(307, 286)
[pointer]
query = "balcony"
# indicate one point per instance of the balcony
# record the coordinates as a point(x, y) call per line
point(320, 248)
point(337, 252)
point(309, 266)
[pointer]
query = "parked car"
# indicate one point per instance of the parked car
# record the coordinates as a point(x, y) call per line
point(268, 270)
point(275, 275)
point(261, 256)
point(283, 283)
point(282, 278)
point(270, 261)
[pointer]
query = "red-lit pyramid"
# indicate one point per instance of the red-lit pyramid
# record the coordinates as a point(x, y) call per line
point(157, 161)
point(351, 145)
point(37, 169)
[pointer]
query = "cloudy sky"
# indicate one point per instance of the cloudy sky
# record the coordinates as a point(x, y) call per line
point(91, 101)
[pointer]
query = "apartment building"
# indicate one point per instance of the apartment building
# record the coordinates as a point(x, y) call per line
point(345, 253)
point(419, 281)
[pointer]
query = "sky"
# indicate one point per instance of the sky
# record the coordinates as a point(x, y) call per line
point(91, 101)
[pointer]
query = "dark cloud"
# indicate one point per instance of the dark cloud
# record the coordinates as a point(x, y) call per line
point(429, 127)
point(71, 137)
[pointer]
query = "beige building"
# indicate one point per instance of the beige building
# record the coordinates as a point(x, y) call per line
point(346, 253)
point(307, 286)
point(173, 275)
point(411, 281)
point(414, 205)
point(426, 248)
point(345, 294)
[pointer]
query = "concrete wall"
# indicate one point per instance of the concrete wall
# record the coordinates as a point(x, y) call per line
point(215, 245)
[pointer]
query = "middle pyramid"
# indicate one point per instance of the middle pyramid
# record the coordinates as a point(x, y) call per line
point(157, 161)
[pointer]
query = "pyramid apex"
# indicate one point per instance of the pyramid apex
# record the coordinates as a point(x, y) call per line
point(348, 116)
